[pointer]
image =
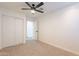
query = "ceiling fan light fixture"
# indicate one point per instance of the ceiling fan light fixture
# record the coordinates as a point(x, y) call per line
point(32, 11)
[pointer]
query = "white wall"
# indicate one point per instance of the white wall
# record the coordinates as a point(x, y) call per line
point(61, 28)
point(16, 28)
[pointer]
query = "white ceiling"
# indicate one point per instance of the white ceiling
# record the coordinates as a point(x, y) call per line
point(48, 6)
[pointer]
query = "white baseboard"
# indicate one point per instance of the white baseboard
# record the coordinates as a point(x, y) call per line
point(66, 49)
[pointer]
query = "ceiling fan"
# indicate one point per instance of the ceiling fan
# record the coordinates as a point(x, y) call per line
point(34, 7)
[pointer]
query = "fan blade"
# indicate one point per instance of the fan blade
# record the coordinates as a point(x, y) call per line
point(28, 4)
point(39, 11)
point(40, 4)
point(25, 9)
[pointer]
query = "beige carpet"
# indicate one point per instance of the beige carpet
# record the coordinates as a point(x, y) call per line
point(34, 48)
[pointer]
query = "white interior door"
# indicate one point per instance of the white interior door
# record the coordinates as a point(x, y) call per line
point(35, 30)
point(8, 32)
point(19, 30)
point(12, 31)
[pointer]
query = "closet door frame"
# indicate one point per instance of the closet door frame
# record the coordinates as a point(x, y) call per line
point(0, 31)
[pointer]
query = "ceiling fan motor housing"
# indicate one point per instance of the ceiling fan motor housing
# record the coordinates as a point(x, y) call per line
point(33, 5)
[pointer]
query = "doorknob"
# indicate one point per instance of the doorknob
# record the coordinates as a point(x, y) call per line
point(37, 31)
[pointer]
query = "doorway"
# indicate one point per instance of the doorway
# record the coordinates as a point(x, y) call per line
point(31, 30)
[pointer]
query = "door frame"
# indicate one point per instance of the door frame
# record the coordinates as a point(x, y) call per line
point(25, 27)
